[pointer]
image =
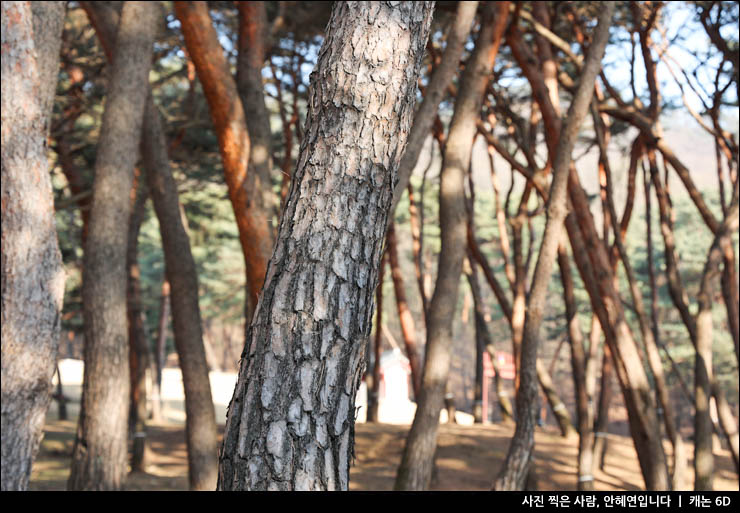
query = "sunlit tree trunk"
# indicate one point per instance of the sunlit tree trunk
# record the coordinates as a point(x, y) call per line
point(444, 72)
point(181, 276)
point(518, 459)
point(415, 470)
point(230, 125)
point(290, 423)
point(99, 454)
point(32, 273)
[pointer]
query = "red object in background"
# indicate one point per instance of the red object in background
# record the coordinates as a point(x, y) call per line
point(505, 364)
point(506, 367)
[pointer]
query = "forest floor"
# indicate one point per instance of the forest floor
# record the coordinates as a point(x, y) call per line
point(468, 459)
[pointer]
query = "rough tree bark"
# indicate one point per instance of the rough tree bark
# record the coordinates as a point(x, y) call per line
point(32, 273)
point(227, 113)
point(415, 470)
point(99, 454)
point(181, 276)
point(516, 466)
point(290, 423)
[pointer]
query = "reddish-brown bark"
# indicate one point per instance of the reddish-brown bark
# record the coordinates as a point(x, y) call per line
point(230, 126)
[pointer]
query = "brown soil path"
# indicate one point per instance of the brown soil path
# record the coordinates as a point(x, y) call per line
point(468, 458)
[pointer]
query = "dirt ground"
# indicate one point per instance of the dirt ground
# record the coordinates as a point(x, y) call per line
point(468, 459)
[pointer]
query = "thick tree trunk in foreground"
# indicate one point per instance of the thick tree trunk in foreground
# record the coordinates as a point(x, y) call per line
point(290, 422)
point(516, 466)
point(227, 113)
point(32, 273)
point(181, 276)
point(99, 455)
point(415, 471)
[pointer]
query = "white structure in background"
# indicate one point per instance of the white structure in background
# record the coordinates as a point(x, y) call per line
point(395, 405)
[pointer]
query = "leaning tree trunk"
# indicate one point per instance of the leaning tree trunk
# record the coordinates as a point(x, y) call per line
point(514, 471)
point(290, 423)
point(408, 330)
point(447, 68)
point(99, 455)
point(32, 273)
point(415, 471)
point(181, 276)
point(230, 125)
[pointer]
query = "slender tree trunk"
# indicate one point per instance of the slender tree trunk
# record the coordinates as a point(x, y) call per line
point(518, 459)
point(373, 407)
point(444, 72)
point(417, 234)
point(251, 59)
point(483, 338)
point(408, 329)
point(160, 351)
point(99, 454)
point(415, 470)
point(601, 424)
point(703, 375)
point(291, 419)
point(578, 362)
point(230, 125)
point(651, 348)
point(181, 275)
point(32, 273)
point(137, 336)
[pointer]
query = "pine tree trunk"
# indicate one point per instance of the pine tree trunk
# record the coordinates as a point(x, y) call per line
point(578, 362)
point(159, 351)
point(415, 470)
point(445, 71)
point(137, 336)
point(290, 423)
point(521, 450)
point(181, 276)
point(251, 58)
point(408, 330)
point(227, 112)
point(373, 390)
point(99, 455)
point(703, 374)
point(32, 273)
